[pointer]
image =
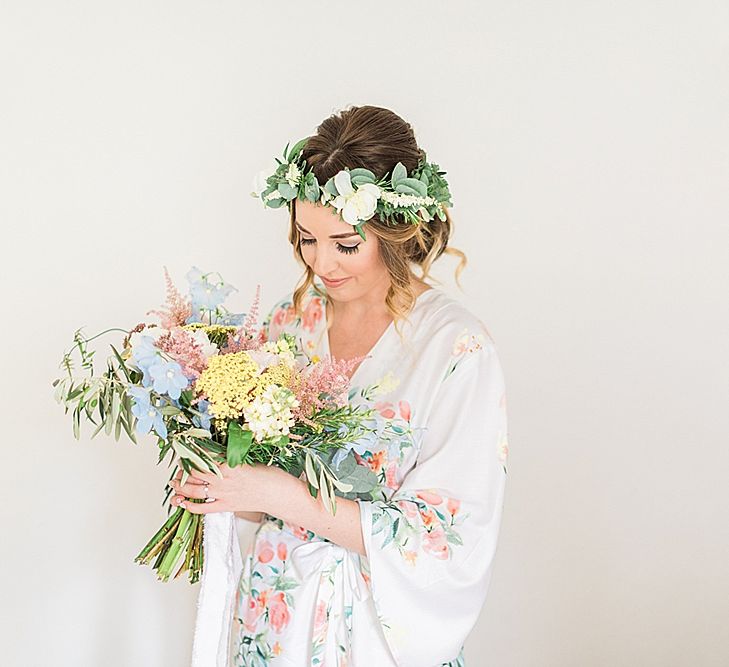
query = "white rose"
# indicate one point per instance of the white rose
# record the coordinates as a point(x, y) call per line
point(355, 205)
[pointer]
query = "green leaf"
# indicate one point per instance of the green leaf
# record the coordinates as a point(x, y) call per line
point(310, 472)
point(287, 191)
point(398, 174)
point(239, 442)
point(360, 231)
point(360, 176)
point(298, 147)
point(311, 190)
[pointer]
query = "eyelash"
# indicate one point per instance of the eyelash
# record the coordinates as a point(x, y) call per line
point(347, 250)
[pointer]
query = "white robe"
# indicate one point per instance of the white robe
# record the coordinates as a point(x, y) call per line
point(440, 452)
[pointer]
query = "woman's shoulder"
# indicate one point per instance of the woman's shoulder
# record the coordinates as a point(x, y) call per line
point(283, 318)
point(444, 316)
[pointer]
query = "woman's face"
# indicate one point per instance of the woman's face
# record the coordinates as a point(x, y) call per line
point(348, 266)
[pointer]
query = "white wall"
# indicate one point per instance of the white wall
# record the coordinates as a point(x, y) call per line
point(586, 144)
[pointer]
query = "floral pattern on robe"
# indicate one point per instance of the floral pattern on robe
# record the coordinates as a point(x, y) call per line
point(439, 445)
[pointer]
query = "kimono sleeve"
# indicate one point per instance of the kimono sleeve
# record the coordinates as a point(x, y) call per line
point(430, 547)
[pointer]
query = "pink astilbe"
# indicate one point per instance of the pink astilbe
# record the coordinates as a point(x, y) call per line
point(185, 350)
point(328, 377)
point(177, 308)
point(246, 337)
point(249, 326)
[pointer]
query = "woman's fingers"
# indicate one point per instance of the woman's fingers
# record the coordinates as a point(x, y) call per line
point(190, 490)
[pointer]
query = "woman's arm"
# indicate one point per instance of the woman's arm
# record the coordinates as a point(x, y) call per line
point(293, 503)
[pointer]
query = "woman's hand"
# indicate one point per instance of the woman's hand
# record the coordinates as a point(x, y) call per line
point(245, 488)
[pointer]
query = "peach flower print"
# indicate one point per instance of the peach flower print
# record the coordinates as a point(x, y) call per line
point(429, 519)
point(284, 316)
point(277, 650)
point(278, 612)
point(320, 616)
point(409, 508)
point(377, 460)
point(312, 314)
point(281, 551)
point(410, 557)
point(385, 409)
point(254, 610)
point(430, 497)
point(435, 543)
point(391, 475)
point(405, 411)
point(265, 551)
point(453, 505)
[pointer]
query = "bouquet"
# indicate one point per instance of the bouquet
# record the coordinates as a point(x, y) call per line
point(211, 389)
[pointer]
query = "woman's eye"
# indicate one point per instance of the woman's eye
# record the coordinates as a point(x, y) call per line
point(346, 249)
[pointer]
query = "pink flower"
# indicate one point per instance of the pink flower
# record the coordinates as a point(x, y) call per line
point(405, 411)
point(376, 460)
point(430, 497)
point(435, 543)
point(283, 316)
point(265, 551)
point(281, 551)
point(391, 474)
point(254, 609)
point(409, 508)
point(320, 616)
point(278, 612)
point(453, 504)
point(312, 314)
point(176, 310)
point(185, 350)
point(385, 409)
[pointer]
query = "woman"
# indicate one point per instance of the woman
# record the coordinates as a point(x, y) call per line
point(398, 580)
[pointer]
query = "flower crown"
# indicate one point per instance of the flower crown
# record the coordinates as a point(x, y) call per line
point(355, 193)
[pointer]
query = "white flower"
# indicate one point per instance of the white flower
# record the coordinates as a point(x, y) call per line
point(401, 200)
point(201, 338)
point(273, 195)
point(269, 415)
point(355, 205)
point(293, 175)
point(281, 349)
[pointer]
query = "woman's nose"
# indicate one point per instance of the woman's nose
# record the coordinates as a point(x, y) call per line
point(325, 263)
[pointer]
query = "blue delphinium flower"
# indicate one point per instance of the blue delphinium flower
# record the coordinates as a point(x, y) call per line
point(203, 420)
point(144, 355)
point(206, 295)
point(148, 416)
point(232, 319)
point(168, 378)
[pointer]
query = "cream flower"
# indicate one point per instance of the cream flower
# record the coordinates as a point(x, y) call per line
point(293, 175)
point(386, 384)
point(358, 205)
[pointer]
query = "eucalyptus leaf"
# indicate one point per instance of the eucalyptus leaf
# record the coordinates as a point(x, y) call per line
point(398, 174)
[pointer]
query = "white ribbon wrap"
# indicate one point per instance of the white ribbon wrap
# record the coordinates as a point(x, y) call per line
point(222, 566)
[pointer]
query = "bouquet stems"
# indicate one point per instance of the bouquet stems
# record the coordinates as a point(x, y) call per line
point(177, 547)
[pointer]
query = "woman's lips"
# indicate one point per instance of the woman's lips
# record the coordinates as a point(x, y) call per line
point(333, 283)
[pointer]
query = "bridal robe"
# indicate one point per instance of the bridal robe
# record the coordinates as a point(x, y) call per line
point(439, 447)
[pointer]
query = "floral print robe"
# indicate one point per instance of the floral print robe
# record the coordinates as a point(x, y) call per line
point(439, 449)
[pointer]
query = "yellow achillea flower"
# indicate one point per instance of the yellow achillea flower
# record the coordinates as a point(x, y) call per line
point(232, 381)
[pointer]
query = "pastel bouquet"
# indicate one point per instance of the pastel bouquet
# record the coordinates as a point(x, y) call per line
point(209, 386)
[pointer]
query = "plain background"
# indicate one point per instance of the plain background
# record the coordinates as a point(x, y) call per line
point(587, 148)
